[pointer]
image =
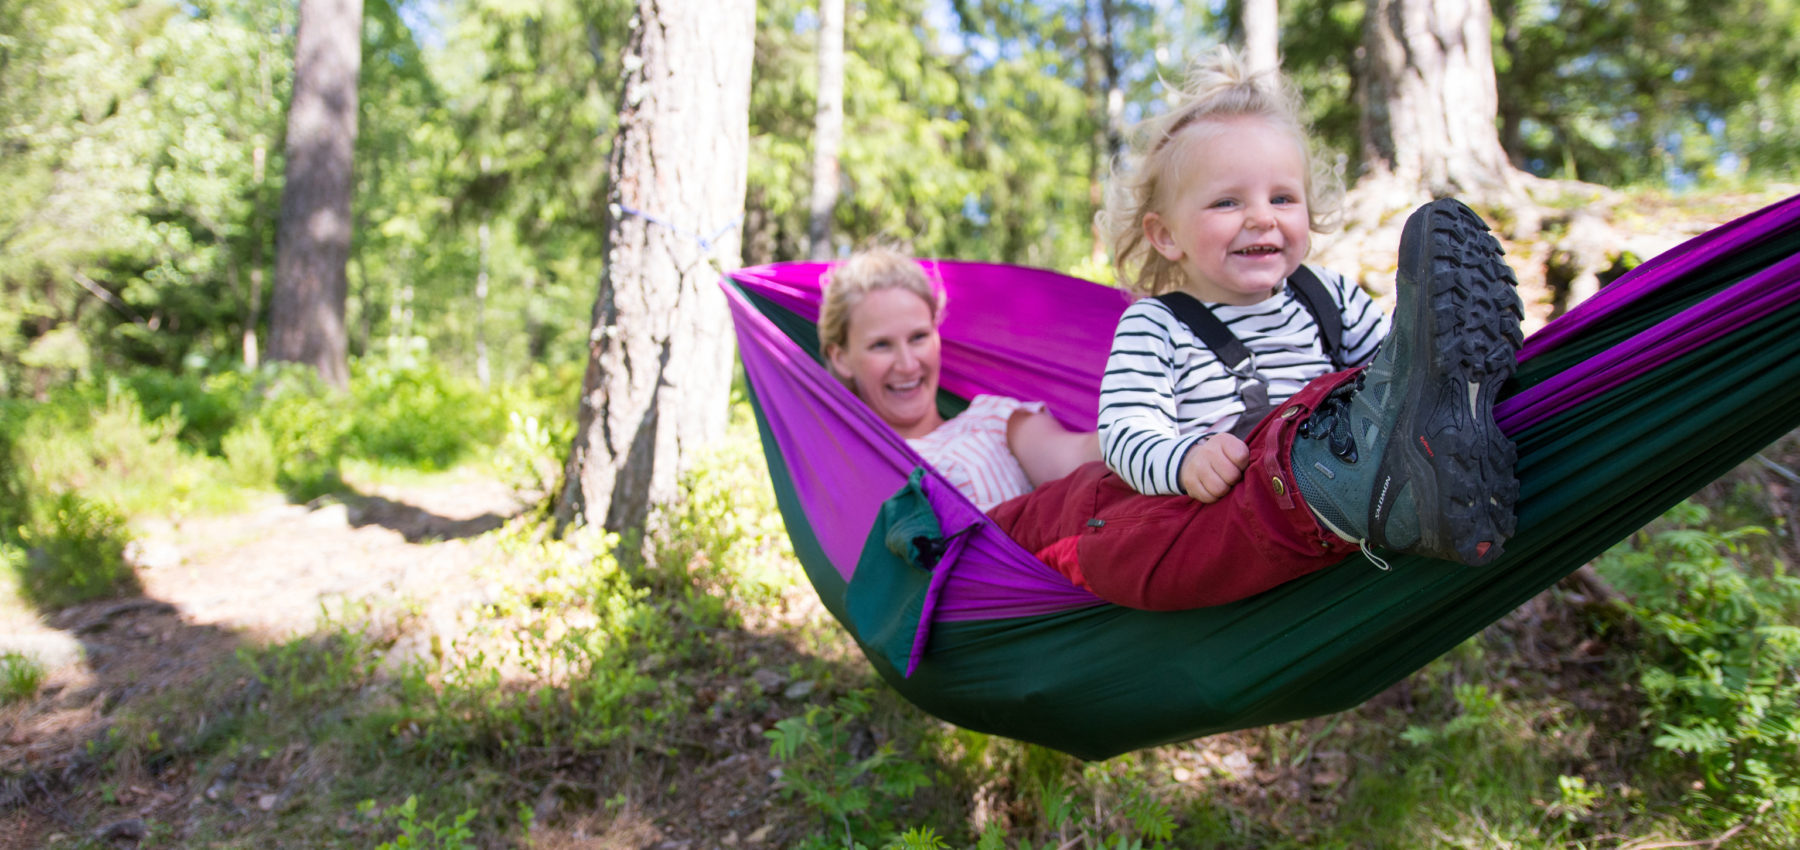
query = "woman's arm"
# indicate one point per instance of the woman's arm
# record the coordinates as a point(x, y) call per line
point(1045, 449)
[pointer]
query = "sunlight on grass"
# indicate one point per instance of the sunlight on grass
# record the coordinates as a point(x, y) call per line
point(716, 652)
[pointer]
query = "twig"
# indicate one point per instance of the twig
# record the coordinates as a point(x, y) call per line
point(112, 300)
point(1778, 469)
point(1713, 842)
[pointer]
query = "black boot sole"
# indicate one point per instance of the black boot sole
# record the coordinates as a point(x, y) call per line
point(1465, 321)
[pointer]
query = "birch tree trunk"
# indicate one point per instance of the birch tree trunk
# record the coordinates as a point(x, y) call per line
point(1429, 100)
point(659, 354)
point(312, 243)
point(1262, 35)
point(828, 128)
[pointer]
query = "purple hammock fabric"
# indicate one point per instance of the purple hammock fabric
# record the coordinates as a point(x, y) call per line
point(1051, 346)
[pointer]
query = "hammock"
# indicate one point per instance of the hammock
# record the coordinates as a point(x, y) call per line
point(1621, 408)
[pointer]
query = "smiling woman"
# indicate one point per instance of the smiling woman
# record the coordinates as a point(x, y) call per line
point(878, 329)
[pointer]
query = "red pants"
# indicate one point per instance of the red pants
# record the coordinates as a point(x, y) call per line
point(1166, 553)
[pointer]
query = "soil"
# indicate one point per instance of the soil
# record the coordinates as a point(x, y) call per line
point(211, 585)
point(275, 571)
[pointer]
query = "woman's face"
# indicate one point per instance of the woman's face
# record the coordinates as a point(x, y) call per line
point(891, 358)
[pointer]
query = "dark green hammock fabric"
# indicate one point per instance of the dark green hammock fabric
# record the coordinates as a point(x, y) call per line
point(1101, 680)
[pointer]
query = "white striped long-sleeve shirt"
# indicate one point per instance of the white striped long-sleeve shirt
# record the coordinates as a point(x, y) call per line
point(1164, 391)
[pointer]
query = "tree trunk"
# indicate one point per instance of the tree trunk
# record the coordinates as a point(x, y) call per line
point(482, 237)
point(253, 306)
point(659, 354)
point(1512, 109)
point(1261, 34)
point(306, 314)
point(1428, 100)
point(828, 128)
point(1106, 102)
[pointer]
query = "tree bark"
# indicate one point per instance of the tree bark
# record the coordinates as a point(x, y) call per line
point(659, 354)
point(1261, 34)
point(828, 128)
point(253, 306)
point(1106, 102)
point(482, 238)
point(306, 313)
point(1429, 102)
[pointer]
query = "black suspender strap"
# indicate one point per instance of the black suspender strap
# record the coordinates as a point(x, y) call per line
point(1317, 301)
point(1232, 353)
point(1237, 358)
point(1211, 332)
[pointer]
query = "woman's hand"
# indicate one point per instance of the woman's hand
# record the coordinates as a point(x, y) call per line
point(1210, 469)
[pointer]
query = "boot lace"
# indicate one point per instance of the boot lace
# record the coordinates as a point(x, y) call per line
point(1331, 422)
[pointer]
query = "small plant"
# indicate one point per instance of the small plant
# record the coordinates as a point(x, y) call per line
point(419, 416)
point(20, 677)
point(251, 455)
point(1721, 671)
point(821, 769)
point(1479, 708)
point(1575, 799)
point(433, 834)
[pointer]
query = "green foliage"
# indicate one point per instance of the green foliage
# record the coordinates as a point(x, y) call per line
point(20, 677)
point(725, 541)
point(75, 551)
point(94, 438)
point(433, 834)
point(75, 466)
point(314, 670)
point(573, 663)
point(419, 417)
point(917, 838)
point(1721, 669)
point(207, 407)
point(1652, 90)
point(823, 771)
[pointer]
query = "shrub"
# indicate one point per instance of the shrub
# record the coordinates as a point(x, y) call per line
point(821, 769)
point(76, 553)
point(96, 440)
point(1721, 669)
point(251, 455)
point(420, 417)
point(306, 429)
point(12, 484)
point(207, 407)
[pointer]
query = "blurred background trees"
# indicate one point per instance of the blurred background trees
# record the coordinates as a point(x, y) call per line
point(142, 148)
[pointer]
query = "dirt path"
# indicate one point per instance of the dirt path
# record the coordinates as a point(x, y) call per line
point(213, 584)
point(268, 571)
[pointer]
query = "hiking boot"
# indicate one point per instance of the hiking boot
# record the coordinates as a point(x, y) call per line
point(1407, 457)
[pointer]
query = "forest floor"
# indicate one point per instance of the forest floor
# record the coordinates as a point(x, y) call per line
point(215, 584)
point(275, 571)
point(413, 560)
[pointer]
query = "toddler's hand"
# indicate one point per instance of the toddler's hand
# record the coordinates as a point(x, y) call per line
point(1211, 468)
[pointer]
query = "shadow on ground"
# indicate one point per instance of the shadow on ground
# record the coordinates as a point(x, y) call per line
point(416, 524)
point(60, 754)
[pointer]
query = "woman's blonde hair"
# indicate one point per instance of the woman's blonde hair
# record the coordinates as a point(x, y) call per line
point(866, 271)
point(1219, 86)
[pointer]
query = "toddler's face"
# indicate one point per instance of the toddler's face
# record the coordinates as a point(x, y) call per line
point(1236, 219)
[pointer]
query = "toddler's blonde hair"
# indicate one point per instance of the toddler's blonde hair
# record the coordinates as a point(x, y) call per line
point(1220, 86)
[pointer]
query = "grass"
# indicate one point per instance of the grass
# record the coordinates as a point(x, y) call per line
point(709, 696)
point(20, 677)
